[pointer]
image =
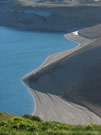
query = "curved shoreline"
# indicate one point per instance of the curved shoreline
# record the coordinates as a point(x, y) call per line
point(44, 64)
point(69, 36)
point(42, 96)
point(65, 36)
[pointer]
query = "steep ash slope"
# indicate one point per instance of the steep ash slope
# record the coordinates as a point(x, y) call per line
point(69, 90)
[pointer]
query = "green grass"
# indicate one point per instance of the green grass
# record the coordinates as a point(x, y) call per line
point(33, 125)
point(5, 116)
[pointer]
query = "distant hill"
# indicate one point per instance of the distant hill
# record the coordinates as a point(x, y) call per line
point(63, 16)
point(68, 2)
point(53, 2)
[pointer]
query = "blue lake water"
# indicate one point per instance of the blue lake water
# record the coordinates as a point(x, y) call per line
point(20, 53)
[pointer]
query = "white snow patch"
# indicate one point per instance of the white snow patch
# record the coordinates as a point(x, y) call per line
point(75, 33)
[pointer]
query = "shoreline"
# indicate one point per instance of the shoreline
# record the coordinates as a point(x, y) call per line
point(47, 63)
point(71, 37)
point(43, 65)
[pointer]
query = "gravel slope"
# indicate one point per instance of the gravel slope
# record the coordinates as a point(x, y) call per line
point(68, 89)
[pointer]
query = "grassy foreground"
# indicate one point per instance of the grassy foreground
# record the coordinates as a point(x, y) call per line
point(33, 125)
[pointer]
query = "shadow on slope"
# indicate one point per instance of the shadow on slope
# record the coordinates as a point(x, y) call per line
point(75, 78)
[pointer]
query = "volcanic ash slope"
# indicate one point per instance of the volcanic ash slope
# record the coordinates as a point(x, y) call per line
point(67, 87)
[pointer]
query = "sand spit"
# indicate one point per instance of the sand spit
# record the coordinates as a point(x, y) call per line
point(60, 85)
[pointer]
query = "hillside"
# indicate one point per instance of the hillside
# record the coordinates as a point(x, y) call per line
point(70, 85)
point(32, 125)
point(52, 18)
point(92, 32)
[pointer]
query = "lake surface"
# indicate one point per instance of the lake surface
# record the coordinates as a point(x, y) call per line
point(20, 53)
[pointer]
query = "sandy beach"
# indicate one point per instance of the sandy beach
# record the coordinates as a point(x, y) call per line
point(66, 86)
